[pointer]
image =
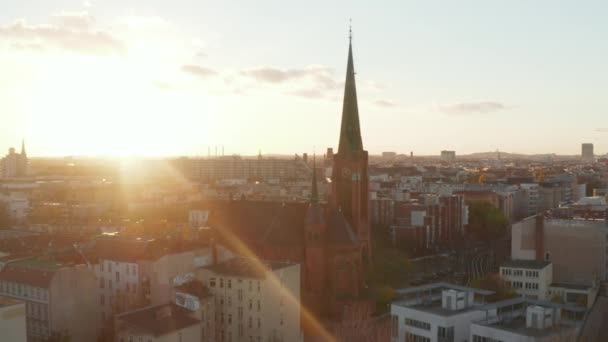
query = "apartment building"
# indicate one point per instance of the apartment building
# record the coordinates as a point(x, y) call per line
point(58, 297)
point(236, 167)
point(533, 191)
point(253, 300)
point(136, 272)
point(436, 312)
point(529, 278)
point(521, 319)
point(577, 248)
point(12, 320)
point(429, 221)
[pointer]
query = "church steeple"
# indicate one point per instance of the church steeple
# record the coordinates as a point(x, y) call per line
point(23, 147)
point(350, 132)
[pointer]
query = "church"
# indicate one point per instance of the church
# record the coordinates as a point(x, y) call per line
point(331, 241)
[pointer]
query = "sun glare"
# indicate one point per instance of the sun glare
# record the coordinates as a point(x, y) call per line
point(111, 107)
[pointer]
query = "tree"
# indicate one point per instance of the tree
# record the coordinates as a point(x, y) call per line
point(389, 267)
point(486, 222)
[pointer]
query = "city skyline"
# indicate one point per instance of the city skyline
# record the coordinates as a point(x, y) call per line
point(98, 79)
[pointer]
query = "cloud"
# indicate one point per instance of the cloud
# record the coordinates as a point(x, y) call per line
point(62, 37)
point(385, 103)
point(308, 93)
point(464, 108)
point(602, 130)
point(272, 75)
point(198, 71)
point(74, 20)
point(319, 74)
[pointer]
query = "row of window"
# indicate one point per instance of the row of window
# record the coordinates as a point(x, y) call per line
point(520, 273)
point(36, 310)
point(409, 337)
point(228, 283)
point(36, 327)
point(129, 287)
point(220, 300)
point(477, 338)
point(418, 324)
point(219, 318)
point(131, 268)
point(22, 290)
point(520, 285)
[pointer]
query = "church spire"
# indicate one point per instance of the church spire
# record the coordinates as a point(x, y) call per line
point(23, 147)
point(314, 193)
point(350, 132)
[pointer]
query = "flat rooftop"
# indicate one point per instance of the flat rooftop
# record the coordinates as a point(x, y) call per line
point(6, 301)
point(427, 298)
point(434, 307)
point(517, 325)
point(529, 264)
point(571, 286)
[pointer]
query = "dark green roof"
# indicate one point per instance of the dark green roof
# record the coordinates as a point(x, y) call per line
point(350, 132)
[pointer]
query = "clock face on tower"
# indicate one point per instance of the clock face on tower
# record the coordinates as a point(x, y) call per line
point(346, 172)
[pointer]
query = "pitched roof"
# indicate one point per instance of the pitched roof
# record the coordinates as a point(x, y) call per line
point(30, 272)
point(339, 231)
point(160, 319)
point(281, 230)
point(258, 221)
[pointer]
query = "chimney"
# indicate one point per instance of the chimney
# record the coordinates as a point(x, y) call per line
point(540, 237)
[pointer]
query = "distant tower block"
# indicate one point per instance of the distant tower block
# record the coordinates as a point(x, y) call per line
point(448, 156)
point(411, 154)
point(587, 151)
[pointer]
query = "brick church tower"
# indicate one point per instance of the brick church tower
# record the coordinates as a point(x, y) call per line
point(350, 180)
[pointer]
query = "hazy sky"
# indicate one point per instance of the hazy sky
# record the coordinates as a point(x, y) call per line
point(174, 77)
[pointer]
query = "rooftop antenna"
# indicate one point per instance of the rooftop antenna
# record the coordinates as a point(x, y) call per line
point(350, 30)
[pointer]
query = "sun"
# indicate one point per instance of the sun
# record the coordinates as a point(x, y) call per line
point(111, 106)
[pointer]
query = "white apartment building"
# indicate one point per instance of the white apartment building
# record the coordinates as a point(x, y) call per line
point(132, 273)
point(253, 300)
point(529, 278)
point(58, 298)
point(521, 319)
point(12, 320)
point(438, 312)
